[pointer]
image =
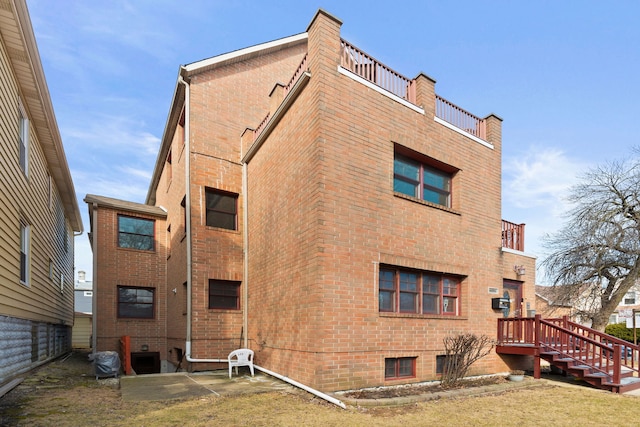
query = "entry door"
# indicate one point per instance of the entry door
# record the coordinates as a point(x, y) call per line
point(513, 290)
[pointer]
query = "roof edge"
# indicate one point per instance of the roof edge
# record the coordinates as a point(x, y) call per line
point(196, 67)
point(124, 205)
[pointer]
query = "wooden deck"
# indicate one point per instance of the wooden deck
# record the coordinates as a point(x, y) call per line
point(601, 360)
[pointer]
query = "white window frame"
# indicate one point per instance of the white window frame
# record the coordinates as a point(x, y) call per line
point(25, 243)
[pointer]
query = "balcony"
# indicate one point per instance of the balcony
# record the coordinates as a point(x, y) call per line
point(375, 72)
point(372, 70)
point(512, 236)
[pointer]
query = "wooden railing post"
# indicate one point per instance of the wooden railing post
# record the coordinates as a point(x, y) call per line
point(536, 343)
point(125, 348)
point(616, 363)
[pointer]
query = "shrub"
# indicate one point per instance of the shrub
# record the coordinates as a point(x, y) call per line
point(620, 330)
point(461, 351)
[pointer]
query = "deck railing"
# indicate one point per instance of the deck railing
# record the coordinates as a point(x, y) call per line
point(512, 236)
point(302, 68)
point(374, 71)
point(601, 350)
point(460, 118)
point(370, 69)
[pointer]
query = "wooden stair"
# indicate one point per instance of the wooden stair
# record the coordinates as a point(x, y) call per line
point(591, 374)
point(601, 360)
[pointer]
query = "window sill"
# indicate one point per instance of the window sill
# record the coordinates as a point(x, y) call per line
point(224, 230)
point(425, 203)
point(422, 316)
point(146, 251)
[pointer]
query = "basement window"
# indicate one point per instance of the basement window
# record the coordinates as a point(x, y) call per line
point(401, 367)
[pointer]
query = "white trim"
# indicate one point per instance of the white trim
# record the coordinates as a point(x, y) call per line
point(246, 51)
point(460, 131)
point(378, 89)
point(513, 251)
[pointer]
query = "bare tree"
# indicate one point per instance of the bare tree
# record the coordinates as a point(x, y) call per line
point(595, 257)
point(461, 352)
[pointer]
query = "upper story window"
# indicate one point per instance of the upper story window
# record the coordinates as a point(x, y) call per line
point(630, 298)
point(135, 303)
point(23, 139)
point(224, 294)
point(136, 233)
point(409, 291)
point(421, 177)
point(222, 209)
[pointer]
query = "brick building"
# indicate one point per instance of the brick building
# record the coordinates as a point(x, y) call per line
point(313, 205)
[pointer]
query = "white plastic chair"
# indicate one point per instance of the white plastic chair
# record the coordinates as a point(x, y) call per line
point(241, 357)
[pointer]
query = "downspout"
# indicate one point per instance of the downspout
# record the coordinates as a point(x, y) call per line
point(245, 254)
point(94, 285)
point(187, 207)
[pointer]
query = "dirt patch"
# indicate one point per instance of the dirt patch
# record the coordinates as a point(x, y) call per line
point(53, 388)
point(418, 389)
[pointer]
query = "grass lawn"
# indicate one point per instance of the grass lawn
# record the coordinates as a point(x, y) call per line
point(64, 398)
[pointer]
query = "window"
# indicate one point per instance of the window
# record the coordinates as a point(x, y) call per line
point(50, 269)
point(222, 209)
point(422, 178)
point(136, 233)
point(169, 241)
point(407, 291)
point(135, 303)
point(169, 170)
point(23, 139)
point(24, 253)
point(402, 367)
point(630, 298)
point(441, 359)
point(224, 294)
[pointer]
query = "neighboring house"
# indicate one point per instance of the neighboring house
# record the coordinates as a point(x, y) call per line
point(629, 303)
point(38, 208)
point(312, 204)
point(550, 305)
point(83, 306)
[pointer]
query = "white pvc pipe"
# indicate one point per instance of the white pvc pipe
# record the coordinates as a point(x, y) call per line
point(313, 391)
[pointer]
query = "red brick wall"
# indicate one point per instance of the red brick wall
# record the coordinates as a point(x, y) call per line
point(323, 216)
point(128, 267)
point(223, 102)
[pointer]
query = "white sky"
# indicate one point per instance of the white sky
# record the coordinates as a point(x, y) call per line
point(564, 76)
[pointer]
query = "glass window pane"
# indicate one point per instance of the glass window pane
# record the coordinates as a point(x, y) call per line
point(385, 300)
point(390, 368)
point(449, 305)
point(385, 279)
point(135, 241)
point(406, 168)
point(224, 302)
point(221, 220)
point(408, 302)
point(435, 197)
point(430, 304)
point(135, 225)
point(449, 286)
point(221, 202)
point(406, 367)
point(408, 282)
point(404, 187)
point(435, 179)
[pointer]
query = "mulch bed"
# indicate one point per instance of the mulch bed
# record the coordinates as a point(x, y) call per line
point(418, 389)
